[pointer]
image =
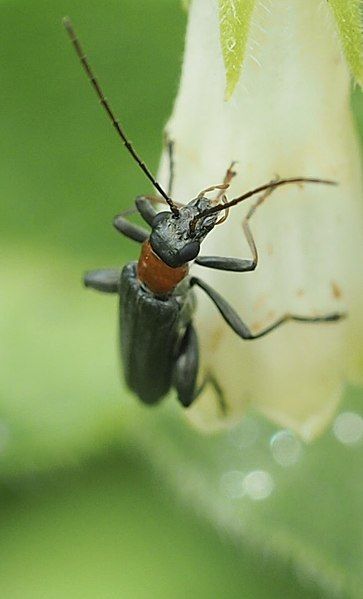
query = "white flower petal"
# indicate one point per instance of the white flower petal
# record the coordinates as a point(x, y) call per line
point(289, 116)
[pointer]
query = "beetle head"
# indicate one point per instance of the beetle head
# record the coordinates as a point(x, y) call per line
point(176, 239)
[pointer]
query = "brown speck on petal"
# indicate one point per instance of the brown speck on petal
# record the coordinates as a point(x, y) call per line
point(216, 337)
point(261, 300)
point(255, 327)
point(336, 290)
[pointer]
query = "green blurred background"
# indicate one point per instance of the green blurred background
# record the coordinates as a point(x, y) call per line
point(88, 503)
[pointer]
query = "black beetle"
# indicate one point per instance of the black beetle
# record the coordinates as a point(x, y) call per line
point(159, 345)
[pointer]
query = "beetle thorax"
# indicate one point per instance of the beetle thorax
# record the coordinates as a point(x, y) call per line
point(155, 274)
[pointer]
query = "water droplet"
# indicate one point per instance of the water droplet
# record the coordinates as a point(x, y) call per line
point(258, 484)
point(232, 484)
point(348, 428)
point(245, 434)
point(286, 448)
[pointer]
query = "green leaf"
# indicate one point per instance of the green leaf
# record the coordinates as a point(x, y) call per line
point(234, 18)
point(347, 14)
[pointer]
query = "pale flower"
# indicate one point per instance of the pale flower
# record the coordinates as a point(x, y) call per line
point(289, 115)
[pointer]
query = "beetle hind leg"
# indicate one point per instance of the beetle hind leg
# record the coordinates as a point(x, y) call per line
point(211, 381)
point(186, 373)
point(186, 368)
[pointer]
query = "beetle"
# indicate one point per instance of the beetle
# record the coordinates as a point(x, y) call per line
point(159, 344)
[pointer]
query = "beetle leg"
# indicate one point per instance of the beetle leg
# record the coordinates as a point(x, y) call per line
point(224, 263)
point(222, 186)
point(106, 280)
point(129, 229)
point(230, 173)
point(170, 147)
point(212, 381)
point(186, 372)
point(186, 367)
point(144, 203)
point(237, 264)
point(145, 208)
point(238, 326)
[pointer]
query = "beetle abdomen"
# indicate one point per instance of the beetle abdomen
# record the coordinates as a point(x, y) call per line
point(150, 332)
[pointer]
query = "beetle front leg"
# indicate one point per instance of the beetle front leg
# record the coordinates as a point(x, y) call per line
point(238, 264)
point(144, 205)
point(222, 186)
point(226, 263)
point(105, 280)
point(128, 229)
point(170, 147)
point(238, 326)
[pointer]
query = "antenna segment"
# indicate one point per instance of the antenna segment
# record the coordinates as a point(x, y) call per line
point(96, 86)
point(270, 185)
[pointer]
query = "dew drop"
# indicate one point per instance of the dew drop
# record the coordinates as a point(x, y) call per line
point(258, 484)
point(348, 428)
point(286, 448)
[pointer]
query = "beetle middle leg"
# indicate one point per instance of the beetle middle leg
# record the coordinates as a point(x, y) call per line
point(238, 326)
point(144, 204)
point(106, 280)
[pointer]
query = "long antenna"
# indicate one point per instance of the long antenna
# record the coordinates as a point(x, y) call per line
point(270, 185)
point(87, 68)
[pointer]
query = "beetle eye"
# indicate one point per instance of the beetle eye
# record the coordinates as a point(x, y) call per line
point(159, 217)
point(209, 221)
point(190, 251)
